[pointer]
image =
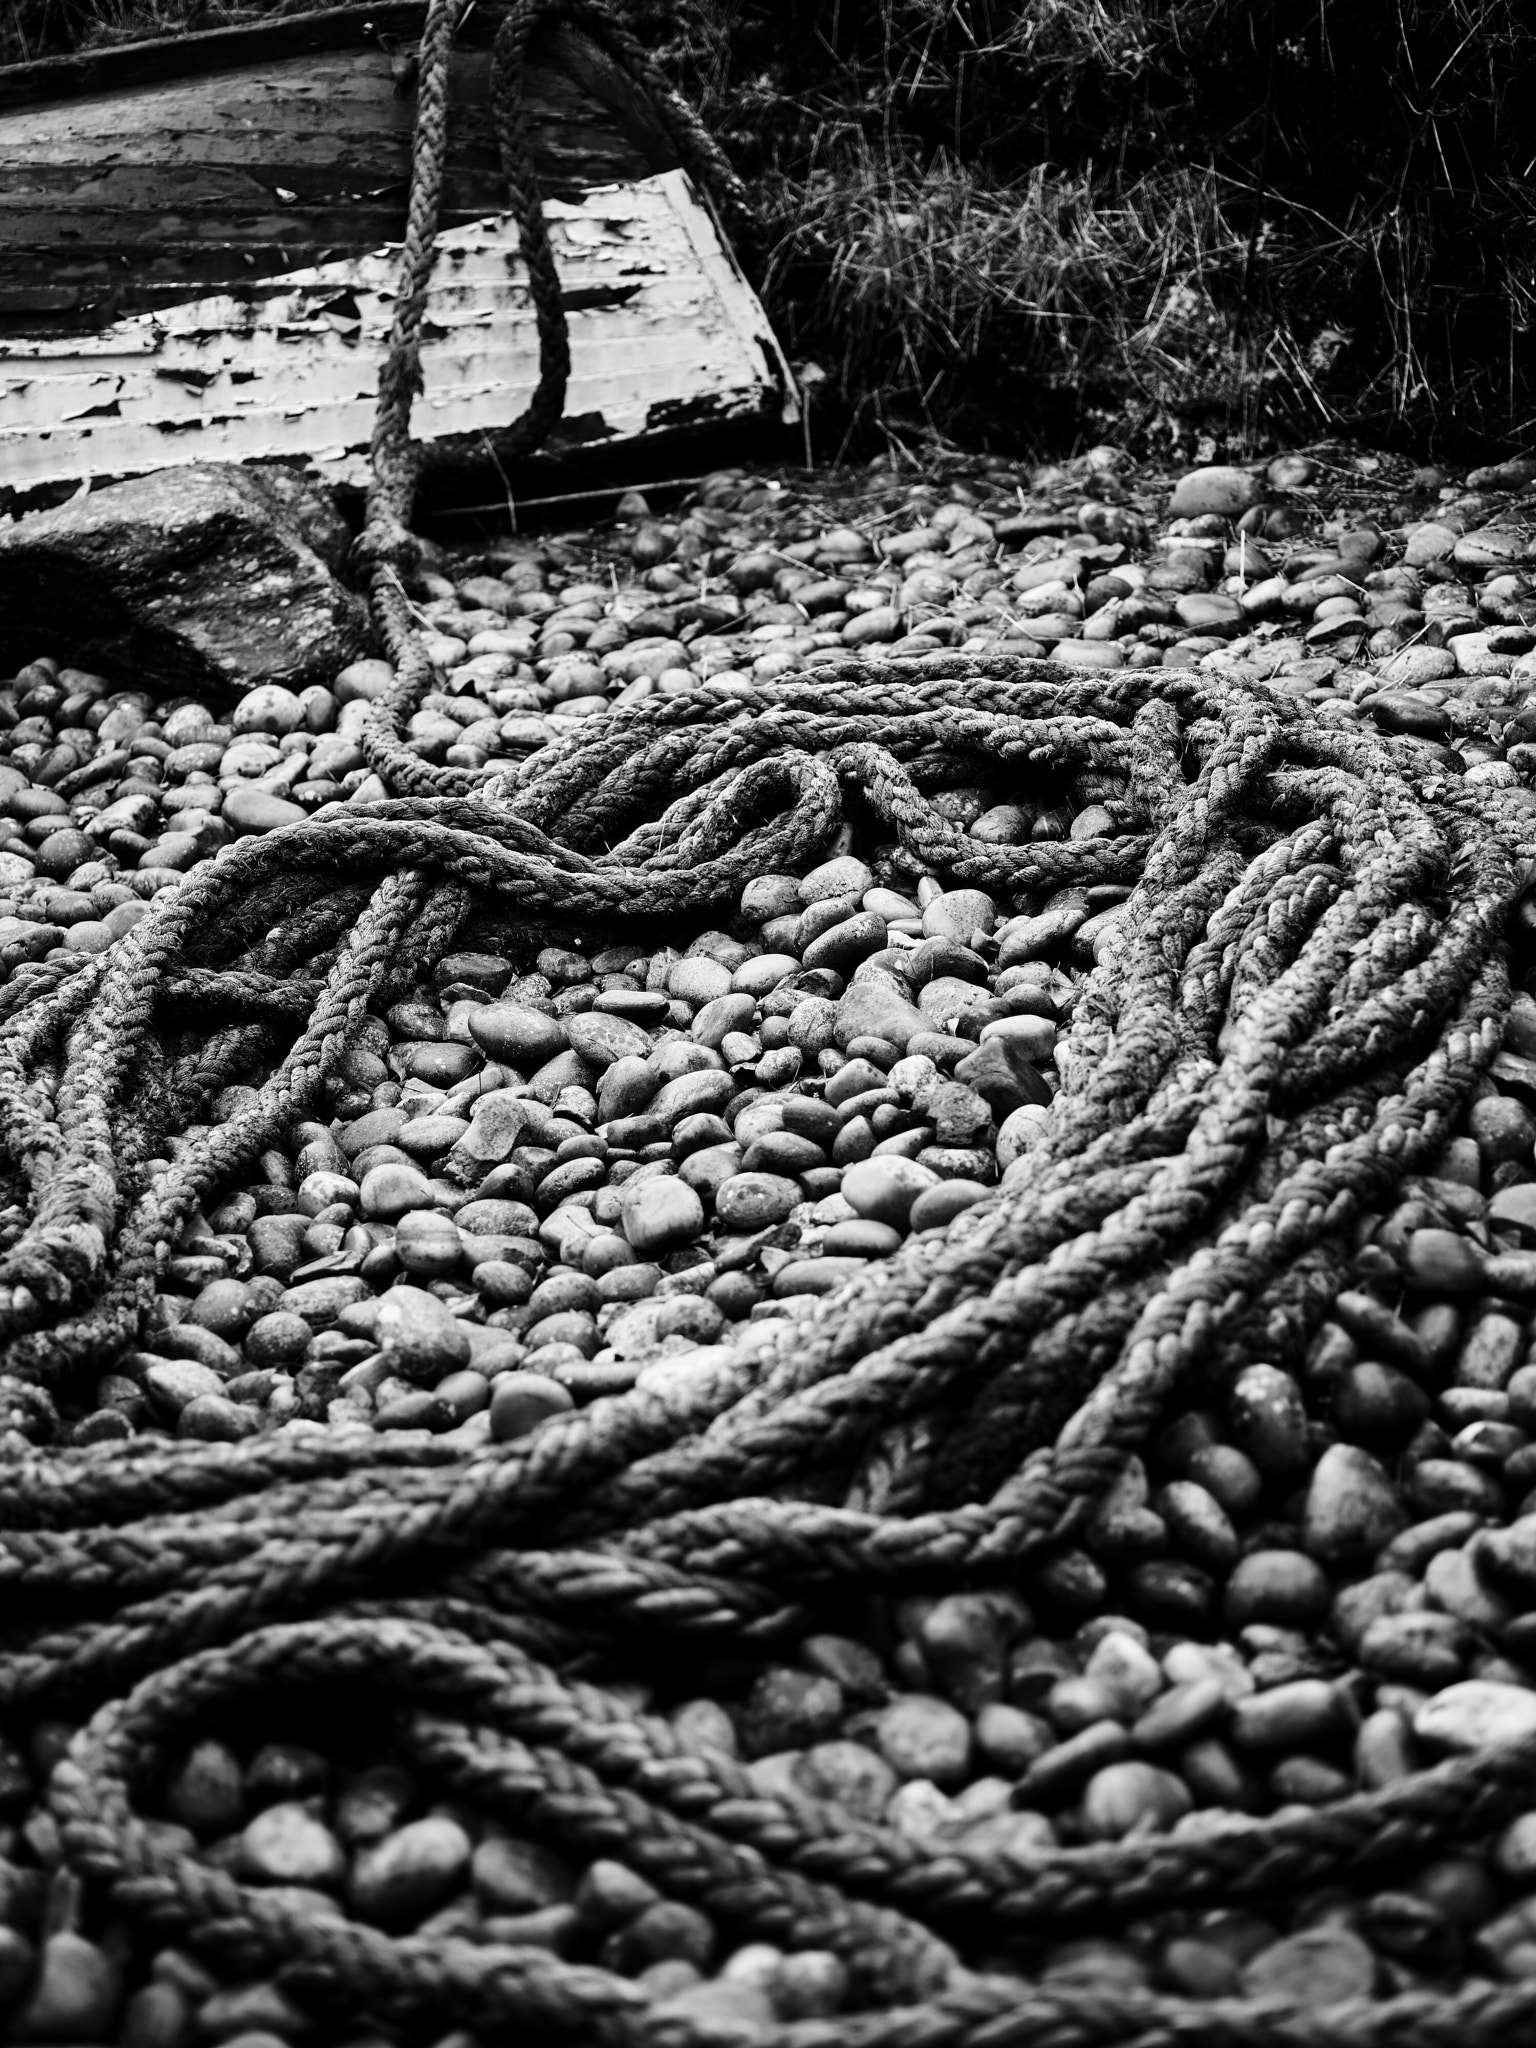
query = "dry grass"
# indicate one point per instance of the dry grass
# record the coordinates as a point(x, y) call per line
point(1145, 207)
point(913, 284)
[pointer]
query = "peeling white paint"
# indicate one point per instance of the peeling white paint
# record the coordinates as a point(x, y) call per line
point(282, 373)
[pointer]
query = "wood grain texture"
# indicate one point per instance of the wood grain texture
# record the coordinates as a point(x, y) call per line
point(112, 197)
point(110, 67)
point(665, 332)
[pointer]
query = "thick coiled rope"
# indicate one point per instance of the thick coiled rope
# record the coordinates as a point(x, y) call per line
point(1307, 983)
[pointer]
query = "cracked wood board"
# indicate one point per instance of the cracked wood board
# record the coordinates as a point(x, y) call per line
point(142, 176)
point(665, 332)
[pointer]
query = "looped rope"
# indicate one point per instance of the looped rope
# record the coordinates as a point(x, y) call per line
point(567, 1763)
point(1307, 985)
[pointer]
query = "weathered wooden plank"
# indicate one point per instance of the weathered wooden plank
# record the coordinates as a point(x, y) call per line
point(40, 303)
point(340, 105)
point(340, 109)
point(123, 187)
point(589, 67)
point(112, 68)
point(662, 325)
point(610, 243)
point(627, 327)
point(131, 232)
point(302, 158)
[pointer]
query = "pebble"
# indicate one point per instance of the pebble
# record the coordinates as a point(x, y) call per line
point(390, 1191)
point(1293, 1715)
point(938, 1206)
point(1419, 1648)
point(660, 1215)
point(173, 1383)
point(521, 1037)
point(958, 913)
point(925, 1738)
point(1181, 1715)
point(871, 1009)
point(789, 1709)
point(1217, 489)
point(515, 1876)
point(427, 1244)
point(207, 1794)
point(884, 1190)
point(1352, 1509)
point(373, 1803)
point(75, 1997)
point(602, 1040)
point(1127, 1667)
point(1284, 1587)
point(1133, 1798)
point(259, 810)
point(851, 1775)
point(286, 1770)
point(419, 1336)
point(1514, 1853)
point(286, 1844)
point(722, 2010)
point(520, 1401)
point(1443, 1262)
point(1478, 1713)
point(1321, 1966)
point(1269, 1421)
point(396, 1882)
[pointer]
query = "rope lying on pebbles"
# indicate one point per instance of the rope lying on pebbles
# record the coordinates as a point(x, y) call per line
point(1298, 984)
point(1059, 1316)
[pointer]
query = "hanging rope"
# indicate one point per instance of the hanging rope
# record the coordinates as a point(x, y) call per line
point(1309, 983)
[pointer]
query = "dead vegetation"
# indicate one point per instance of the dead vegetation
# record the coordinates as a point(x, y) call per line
point(1189, 223)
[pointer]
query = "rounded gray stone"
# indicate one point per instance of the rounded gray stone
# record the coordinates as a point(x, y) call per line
point(1217, 488)
point(603, 1040)
point(524, 1038)
point(660, 1215)
point(418, 1335)
point(286, 1844)
point(923, 1737)
point(755, 1201)
point(398, 1881)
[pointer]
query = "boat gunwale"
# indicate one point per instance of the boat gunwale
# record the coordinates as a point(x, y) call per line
point(111, 67)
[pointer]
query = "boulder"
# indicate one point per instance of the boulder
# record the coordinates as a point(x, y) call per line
point(208, 579)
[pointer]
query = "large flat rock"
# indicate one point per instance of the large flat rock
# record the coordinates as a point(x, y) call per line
point(207, 579)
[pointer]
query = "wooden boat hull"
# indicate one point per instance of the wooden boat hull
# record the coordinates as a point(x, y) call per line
point(201, 267)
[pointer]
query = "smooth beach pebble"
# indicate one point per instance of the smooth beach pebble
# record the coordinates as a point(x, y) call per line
point(925, 1738)
point(398, 1880)
point(286, 1844)
point(884, 1190)
point(520, 1401)
point(418, 1335)
point(659, 1215)
point(755, 1201)
point(1133, 1798)
point(1477, 1714)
